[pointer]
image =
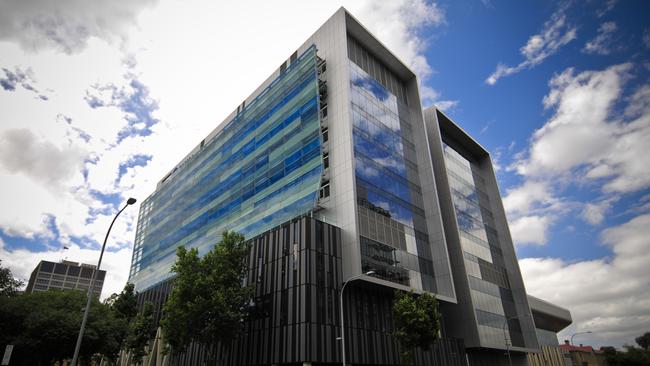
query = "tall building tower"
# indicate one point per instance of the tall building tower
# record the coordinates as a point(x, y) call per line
point(64, 275)
point(492, 311)
point(331, 171)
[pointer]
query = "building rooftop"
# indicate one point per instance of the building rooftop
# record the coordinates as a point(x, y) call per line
point(571, 348)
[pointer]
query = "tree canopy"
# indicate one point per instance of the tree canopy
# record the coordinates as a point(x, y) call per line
point(643, 341)
point(9, 286)
point(141, 330)
point(208, 301)
point(417, 322)
point(631, 356)
point(125, 303)
point(43, 326)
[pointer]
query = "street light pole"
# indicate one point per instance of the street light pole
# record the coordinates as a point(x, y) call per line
point(505, 338)
point(75, 358)
point(574, 334)
point(342, 321)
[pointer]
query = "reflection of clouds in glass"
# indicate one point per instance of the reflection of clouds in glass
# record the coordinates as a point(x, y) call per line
point(383, 204)
point(362, 80)
point(397, 212)
point(371, 86)
point(379, 155)
point(381, 178)
point(365, 171)
point(392, 163)
point(474, 228)
point(378, 133)
point(456, 156)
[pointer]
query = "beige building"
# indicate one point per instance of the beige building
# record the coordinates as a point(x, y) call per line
point(583, 355)
point(64, 275)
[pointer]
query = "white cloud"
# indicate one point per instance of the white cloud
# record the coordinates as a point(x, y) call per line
point(32, 204)
point(446, 105)
point(397, 23)
point(530, 230)
point(431, 97)
point(555, 33)
point(609, 5)
point(594, 213)
point(524, 198)
point(602, 43)
point(531, 209)
point(49, 145)
point(584, 142)
point(66, 25)
point(586, 138)
point(23, 152)
point(609, 297)
point(594, 137)
point(189, 66)
point(22, 262)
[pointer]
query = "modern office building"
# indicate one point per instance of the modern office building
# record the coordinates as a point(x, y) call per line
point(333, 171)
point(64, 275)
point(492, 305)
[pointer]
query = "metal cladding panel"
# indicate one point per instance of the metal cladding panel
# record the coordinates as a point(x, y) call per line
point(295, 318)
point(492, 302)
point(261, 169)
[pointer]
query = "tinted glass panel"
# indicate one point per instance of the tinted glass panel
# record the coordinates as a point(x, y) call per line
point(86, 272)
point(73, 271)
point(261, 169)
point(492, 299)
point(60, 268)
point(391, 218)
point(47, 267)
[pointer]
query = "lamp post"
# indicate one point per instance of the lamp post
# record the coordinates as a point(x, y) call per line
point(575, 334)
point(505, 338)
point(75, 358)
point(342, 320)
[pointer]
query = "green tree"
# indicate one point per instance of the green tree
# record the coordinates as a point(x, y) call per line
point(122, 308)
point(634, 356)
point(141, 331)
point(631, 356)
point(208, 302)
point(9, 286)
point(43, 326)
point(126, 303)
point(417, 322)
point(611, 355)
point(643, 341)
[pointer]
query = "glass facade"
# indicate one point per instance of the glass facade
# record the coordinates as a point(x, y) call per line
point(392, 224)
point(263, 168)
point(488, 279)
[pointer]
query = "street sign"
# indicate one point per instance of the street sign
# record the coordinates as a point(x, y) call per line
point(7, 356)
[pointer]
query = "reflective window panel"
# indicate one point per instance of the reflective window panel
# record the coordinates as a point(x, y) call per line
point(263, 168)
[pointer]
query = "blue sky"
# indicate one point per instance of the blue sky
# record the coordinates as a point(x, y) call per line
point(99, 103)
point(511, 110)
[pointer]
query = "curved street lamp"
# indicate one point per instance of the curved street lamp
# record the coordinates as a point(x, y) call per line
point(505, 338)
point(575, 334)
point(75, 358)
point(342, 321)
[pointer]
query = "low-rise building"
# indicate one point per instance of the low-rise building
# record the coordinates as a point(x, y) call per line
point(64, 275)
point(583, 355)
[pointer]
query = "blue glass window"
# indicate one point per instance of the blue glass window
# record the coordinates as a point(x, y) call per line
point(213, 189)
